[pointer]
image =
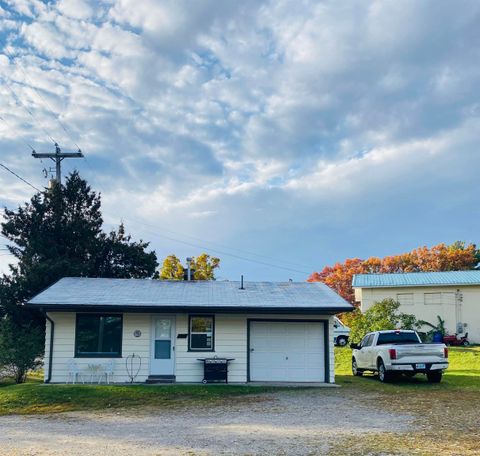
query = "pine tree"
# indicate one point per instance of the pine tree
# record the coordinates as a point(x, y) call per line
point(59, 234)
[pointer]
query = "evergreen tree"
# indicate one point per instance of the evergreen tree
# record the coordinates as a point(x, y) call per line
point(59, 234)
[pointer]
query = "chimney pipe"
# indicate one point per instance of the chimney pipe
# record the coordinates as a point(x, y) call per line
point(189, 260)
point(241, 283)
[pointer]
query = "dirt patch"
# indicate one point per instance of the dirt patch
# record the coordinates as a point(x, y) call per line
point(296, 422)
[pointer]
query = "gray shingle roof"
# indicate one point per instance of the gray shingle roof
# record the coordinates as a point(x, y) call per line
point(416, 279)
point(138, 294)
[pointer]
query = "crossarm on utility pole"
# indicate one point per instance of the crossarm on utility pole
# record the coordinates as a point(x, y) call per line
point(58, 156)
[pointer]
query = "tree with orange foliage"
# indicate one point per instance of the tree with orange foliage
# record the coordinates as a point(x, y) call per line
point(441, 257)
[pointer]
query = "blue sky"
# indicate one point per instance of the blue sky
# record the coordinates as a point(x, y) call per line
point(279, 136)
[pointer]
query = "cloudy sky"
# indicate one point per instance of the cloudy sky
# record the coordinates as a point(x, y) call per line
point(280, 136)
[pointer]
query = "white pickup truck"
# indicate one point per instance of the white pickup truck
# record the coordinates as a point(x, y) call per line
point(395, 352)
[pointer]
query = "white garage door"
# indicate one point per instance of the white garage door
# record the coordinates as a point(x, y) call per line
point(287, 351)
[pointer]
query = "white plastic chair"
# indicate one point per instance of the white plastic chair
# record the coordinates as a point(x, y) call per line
point(108, 370)
point(73, 372)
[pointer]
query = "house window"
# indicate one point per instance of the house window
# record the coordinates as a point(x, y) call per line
point(405, 299)
point(98, 336)
point(201, 333)
point(433, 299)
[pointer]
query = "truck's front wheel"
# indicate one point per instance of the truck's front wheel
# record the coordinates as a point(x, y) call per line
point(383, 375)
point(434, 376)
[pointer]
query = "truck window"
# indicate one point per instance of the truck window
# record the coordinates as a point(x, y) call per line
point(368, 340)
point(363, 343)
point(397, 338)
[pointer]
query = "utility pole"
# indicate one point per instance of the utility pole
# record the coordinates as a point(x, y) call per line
point(58, 157)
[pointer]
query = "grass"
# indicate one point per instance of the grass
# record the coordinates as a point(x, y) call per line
point(34, 397)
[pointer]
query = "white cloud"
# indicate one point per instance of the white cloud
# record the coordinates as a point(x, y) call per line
point(77, 9)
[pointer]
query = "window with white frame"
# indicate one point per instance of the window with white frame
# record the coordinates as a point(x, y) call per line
point(201, 333)
point(433, 299)
point(405, 299)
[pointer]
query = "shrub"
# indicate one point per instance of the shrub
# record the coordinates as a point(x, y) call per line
point(382, 315)
point(21, 347)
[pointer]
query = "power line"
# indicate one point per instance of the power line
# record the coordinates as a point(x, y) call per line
point(203, 247)
point(19, 177)
point(63, 126)
point(9, 126)
point(231, 248)
point(57, 116)
point(18, 100)
point(154, 233)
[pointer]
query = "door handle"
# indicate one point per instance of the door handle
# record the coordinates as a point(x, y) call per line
point(252, 349)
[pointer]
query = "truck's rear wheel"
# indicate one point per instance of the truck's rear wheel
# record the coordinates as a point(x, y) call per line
point(383, 375)
point(434, 376)
point(355, 370)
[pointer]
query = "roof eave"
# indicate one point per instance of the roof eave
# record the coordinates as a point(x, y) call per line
point(204, 309)
point(417, 285)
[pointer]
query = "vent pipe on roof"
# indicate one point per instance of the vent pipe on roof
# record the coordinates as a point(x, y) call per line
point(189, 261)
point(241, 283)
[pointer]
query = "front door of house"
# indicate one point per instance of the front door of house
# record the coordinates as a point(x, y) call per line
point(162, 351)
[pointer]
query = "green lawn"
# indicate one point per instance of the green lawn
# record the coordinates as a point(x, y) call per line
point(34, 397)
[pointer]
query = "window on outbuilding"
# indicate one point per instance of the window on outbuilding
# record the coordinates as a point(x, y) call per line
point(433, 299)
point(201, 333)
point(98, 336)
point(405, 299)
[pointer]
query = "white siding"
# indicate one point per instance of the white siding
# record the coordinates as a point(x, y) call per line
point(428, 302)
point(64, 346)
point(230, 341)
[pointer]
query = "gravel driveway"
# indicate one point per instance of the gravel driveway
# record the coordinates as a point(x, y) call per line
point(293, 422)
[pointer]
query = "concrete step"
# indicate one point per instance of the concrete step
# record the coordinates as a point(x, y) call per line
point(160, 379)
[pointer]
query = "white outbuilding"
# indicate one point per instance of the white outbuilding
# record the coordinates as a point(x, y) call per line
point(452, 295)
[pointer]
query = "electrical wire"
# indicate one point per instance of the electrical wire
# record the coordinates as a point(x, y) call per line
point(155, 233)
point(63, 126)
point(57, 116)
point(19, 101)
point(19, 177)
point(9, 126)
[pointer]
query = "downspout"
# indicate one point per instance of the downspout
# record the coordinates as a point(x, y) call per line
point(50, 354)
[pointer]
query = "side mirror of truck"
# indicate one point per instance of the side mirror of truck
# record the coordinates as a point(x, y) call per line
point(355, 346)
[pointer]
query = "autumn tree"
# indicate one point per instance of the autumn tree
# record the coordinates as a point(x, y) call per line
point(171, 269)
point(455, 257)
point(201, 267)
point(204, 267)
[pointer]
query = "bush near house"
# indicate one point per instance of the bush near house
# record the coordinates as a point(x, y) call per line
point(382, 315)
point(20, 349)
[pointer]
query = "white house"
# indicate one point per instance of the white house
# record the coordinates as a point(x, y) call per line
point(278, 332)
point(453, 295)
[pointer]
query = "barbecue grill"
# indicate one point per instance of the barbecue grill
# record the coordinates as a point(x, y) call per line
point(215, 369)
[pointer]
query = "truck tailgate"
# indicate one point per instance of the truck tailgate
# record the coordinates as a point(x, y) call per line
point(420, 352)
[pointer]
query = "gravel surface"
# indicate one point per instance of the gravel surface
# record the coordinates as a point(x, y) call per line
point(295, 422)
